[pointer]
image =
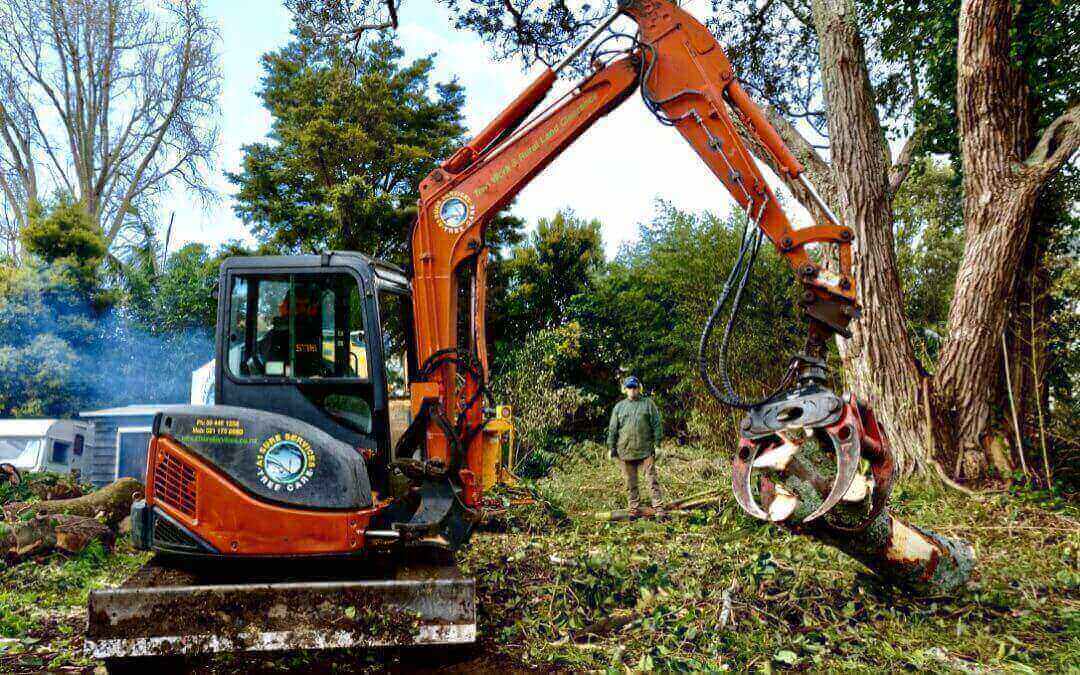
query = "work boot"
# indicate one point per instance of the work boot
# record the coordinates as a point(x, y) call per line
point(634, 513)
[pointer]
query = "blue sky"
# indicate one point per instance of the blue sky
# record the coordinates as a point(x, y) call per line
point(615, 172)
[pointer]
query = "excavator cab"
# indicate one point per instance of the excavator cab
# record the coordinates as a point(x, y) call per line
point(325, 339)
point(311, 384)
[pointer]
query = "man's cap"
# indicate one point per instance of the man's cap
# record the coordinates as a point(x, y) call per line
point(631, 383)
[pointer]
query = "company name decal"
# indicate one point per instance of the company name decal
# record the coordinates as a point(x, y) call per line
point(285, 461)
point(503, 171)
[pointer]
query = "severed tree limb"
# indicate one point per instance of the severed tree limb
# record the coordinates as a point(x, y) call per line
point(44, 533)
point(907, 556)
point(112, 501)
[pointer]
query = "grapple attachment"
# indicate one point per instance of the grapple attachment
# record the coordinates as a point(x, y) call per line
point(772, 438)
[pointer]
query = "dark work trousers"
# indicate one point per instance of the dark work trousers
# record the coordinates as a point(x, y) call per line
point(630, 469)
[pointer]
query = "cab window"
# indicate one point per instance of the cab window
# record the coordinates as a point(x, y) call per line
point(298, 326)
point(394, 314)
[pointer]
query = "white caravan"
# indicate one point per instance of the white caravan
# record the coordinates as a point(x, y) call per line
point(32, 445)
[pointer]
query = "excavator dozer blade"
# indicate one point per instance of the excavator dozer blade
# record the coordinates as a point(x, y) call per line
point(173, 620)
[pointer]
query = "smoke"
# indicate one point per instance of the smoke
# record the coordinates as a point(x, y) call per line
point(129, 364)
point(61, 353)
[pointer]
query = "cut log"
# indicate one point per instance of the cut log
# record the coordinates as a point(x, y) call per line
point(112, 503)
point(75, 533)
point(43, 533)
point(51, 486)
point(912, 558)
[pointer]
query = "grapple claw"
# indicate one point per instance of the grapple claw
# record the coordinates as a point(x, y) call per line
point(741, 468)
point(845, 438)
point(850, 427)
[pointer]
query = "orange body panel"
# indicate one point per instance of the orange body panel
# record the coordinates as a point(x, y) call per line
point(234, 522)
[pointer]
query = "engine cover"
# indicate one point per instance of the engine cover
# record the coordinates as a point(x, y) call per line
point(272, 456)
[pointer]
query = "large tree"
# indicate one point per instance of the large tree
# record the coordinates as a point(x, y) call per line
point(557, 261)
point(353, 134)
point(106, 100)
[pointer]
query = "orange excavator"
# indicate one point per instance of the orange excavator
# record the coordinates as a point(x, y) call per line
point(348, 422)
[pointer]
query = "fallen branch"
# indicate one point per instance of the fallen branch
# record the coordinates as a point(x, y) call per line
point(680, 503)
point(675, 507)
point(112, 503)
point(44, 533)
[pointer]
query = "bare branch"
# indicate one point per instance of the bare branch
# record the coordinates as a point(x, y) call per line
point(900, 169)
point(1058, 143)
point(803, 14)
point(108, 101)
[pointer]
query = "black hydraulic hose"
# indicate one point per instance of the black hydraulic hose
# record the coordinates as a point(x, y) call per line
point(740, 270)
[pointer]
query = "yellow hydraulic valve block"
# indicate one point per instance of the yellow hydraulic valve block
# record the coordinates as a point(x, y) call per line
point(499, 446)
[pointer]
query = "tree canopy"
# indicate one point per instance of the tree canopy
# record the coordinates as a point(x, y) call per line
point(352, 136)
point(107, 100)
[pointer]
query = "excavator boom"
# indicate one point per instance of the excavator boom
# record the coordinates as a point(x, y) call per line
point(687, 82)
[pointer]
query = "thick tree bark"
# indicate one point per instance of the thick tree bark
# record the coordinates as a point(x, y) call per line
point(1001, 183)
point(879, 356)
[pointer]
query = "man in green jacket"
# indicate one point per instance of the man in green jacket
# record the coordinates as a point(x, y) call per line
point(633, 434)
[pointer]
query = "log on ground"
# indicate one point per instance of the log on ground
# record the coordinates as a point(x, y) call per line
point(112, 503)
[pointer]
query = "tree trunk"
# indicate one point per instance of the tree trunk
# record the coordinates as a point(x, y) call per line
point(999, 201)
point(879, 356)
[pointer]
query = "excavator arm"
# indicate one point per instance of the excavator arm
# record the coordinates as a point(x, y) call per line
point(687, 82)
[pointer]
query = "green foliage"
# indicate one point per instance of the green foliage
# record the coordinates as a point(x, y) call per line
point(920, 37)
point(67, 237)
point(43, 605)
point(646, 313)
point(557, 263)
point(929, 245)
point(617, 597)
point(545, 407)
point(352, 136)
point(181, 295)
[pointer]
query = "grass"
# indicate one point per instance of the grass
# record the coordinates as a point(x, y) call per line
point(561, 590)
point(795, 604)
point(43, 605)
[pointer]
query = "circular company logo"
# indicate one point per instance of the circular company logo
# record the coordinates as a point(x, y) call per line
point(285, 462)
point(454, 212)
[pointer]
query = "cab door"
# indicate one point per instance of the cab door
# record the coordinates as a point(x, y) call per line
point(297, 341)
point(398, 356)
